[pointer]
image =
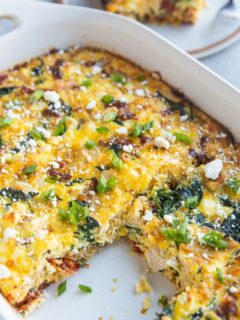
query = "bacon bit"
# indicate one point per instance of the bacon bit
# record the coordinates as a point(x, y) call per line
point(20, 66)
point(66, 264)
point(124, 112)
point(62, 176)
point(227, 309)
point(53, 50)
point(145, 139)
point(50, 113)
point(201, 158)
point(135, 248)
point(167, 5)
point(93, 184)
point(62, 164)
point(27, 90)
point(91, 63)
point(56, 72)
point(3, 77)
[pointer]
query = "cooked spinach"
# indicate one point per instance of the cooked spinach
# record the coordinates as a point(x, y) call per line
point(86, 230)
point(231, 225)
point(72, 182)
point(191, 194)
point(38, 70)
point(167, 201)
point(197, 315)
point(6, 90)
point(17, 195)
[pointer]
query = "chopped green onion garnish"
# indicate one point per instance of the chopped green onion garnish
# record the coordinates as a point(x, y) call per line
point(214, 239)
point(102, 129)
point(139, 129)
point(182, 137)
point(90, 144)
point(51, 179)
point(118, 78)
point(110, 116)
point(179, 233)
point(87, 83)
point(36, 135)
point(192, 202)
point(105, 185)
point(85, 289)
point(219, 275)
point(116, 162)
point(5, 122)
point(61, 127)
point(62, 288)
point(48, 195)
point(36, 96)
point(107, 99)
point(30, 169)
point(75, 212)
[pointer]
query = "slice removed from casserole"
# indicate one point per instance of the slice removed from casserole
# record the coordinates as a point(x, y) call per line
point(162, 11)
point(93, 148)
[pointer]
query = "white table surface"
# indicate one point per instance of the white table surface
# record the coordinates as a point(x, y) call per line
point(225, 63)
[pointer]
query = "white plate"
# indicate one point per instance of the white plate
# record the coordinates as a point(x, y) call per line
point(41, 26)
point(208, 36)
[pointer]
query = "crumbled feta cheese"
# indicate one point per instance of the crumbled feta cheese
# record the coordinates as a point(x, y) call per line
point(4, 272)
point(233, 289)
point(213, 169)
point(57, 105)
point(83, 88)
point(9, 233)
point(168, 218)
point(91, 105)
point(148, 216)
point(54, 164)
point(140, 92)
point(123, 100)
point(128, 148)
point(122, 130)
point(161, 142)
point(204, 255)
point(98, 116)
point(51, 96)
point(184, 118)
point(96, 69)
point(45, 132)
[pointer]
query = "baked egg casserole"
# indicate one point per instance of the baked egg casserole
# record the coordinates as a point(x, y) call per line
point(93, 148)
point(160, 11)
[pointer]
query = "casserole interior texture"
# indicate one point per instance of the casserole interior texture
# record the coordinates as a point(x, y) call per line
point(163, 11)
point(93, 148)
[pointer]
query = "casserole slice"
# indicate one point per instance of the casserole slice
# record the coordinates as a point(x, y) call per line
point(160, 11)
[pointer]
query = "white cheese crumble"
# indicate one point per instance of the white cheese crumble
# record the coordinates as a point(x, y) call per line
point(140, 92)
point(9, 233)
point(51, 96)
point(91, 105)
point(161, 142)
point(128, 148)
point(148, 216)
point(213, 169)
point(98, 116)
point(123, 100)
point(168, 218)
point(122, 130)
point(4, 272)
point(184, 118)
point(54, 164)
point(233, 289)
point(96, 69)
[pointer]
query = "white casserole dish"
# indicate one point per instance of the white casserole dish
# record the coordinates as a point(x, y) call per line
point(41, 26)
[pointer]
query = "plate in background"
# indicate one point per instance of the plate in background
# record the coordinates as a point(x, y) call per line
point(208, 36)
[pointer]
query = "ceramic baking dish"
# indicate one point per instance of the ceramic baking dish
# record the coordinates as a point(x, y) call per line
point(41, 26)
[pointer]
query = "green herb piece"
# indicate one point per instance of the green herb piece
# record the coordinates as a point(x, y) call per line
point(74, 213)
point(87, 83)
point(179, 233)
point(139, 129)
point(30, 169)
point(110, 116)
point(5, 122)
point(36, 135)
point(17, 195)
point(116, 161)
point(219, 275)
point(51, 179)
point(85, 289)
point(90, 144)
point(141, 78)
point(104, 185)
point(36, 96)
point(62, 288)
point(107, 99)
point(61, 127)
point(118, 78)
point(181, 137)
point(102, 129)
point(214, 239)
point(48, 195)
point(233, 184)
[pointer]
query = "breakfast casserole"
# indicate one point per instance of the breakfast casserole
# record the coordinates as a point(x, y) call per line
point(92, 149)
point(164, 11)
